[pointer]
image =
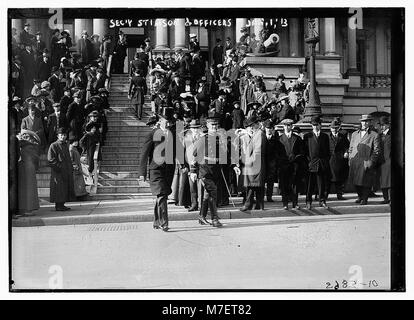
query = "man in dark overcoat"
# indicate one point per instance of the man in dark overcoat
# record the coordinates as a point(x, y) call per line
point(61, 178)
point(137, 91)
point(316, 147)
point(273, 149)
point(338, 145)
point(385, 178)
point(158, 150)
point(291, 156)
point(364, 154)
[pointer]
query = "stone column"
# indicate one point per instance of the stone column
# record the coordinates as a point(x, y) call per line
point(380, 45)
point(353, 73)
point(294, 37)
point(19, 25)
point(161, 36)
point(100, 27)
point(179, 34)
point(240, 23)
point(80, 25)
point(330, 37)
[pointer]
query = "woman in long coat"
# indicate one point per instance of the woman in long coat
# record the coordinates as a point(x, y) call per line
point(61, 178)
point(27, 165)
point(78, 180)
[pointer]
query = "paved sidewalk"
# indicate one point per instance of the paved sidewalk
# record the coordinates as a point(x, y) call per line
point(141, 210)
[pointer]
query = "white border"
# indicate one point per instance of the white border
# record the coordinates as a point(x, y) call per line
point(4, 294)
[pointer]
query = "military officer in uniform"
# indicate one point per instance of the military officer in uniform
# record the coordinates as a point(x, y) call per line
point(161, 165)
point(208, 150)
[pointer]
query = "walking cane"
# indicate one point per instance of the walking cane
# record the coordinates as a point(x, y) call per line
point(227, 187)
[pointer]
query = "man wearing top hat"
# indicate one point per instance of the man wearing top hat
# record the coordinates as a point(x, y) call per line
point(385, 168)
point(290, 157)
point(61, 177)
point(316, 147)
point(364, 155)
point(159, 151)
point(209, 152)
point(338, 162)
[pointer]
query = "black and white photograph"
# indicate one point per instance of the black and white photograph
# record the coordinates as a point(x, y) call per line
point(206, 149)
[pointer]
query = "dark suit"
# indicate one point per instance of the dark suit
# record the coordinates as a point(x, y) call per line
point(43, 70)
point(137, 91)
point(338, 164)
point(138, 64)
point(273, 149)
point(55, 88)
point(318, 154)
point(53, 124)
point(85, 50)
point(161, 171)
point(290, 158)
point(385, 178)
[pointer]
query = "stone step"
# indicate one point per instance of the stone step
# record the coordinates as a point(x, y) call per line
point(118, 167)
point(43, 176)
point(44, 170)
point(119, 155)
point(120, 196)
point(45, 183)
point(43, 192)
point(120, 182)
point(117, 149)
point(122, 129)
point(118, 175)
point(124, 135)
point(122, 189)
point(121, 162)
point(123, 143)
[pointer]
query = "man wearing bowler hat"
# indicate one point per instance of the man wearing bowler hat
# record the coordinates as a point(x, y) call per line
point(61, 177)
point(364, 154)
point(159, 150)
point(206, 167)
point(316, 147)
point(338, 162)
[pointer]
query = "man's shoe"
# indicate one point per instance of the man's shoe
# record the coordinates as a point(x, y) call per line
point(323, 204)
point(66, 208)
point(296, 207)
point(217, 223)
point(165, 229)
point(286, 207)
point(28, 214)
point(156, 227)
point(363, 202)
point(193, 209)
point(309, 206)
point(203, 221)
point(358, 200)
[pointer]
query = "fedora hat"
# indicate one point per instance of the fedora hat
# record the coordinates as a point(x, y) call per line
point(251, 104)
point(282, 97)
point(316, 120)
point(384, 120)
point(195, 123)
point(213, 116)
point(335, 124)
point(286, 121)
point(366, 117)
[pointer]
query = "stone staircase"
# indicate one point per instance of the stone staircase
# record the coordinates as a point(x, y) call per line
point(118, 173)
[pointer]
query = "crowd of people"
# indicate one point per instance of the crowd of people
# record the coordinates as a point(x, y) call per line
point(70, 101)
point(58, 102)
